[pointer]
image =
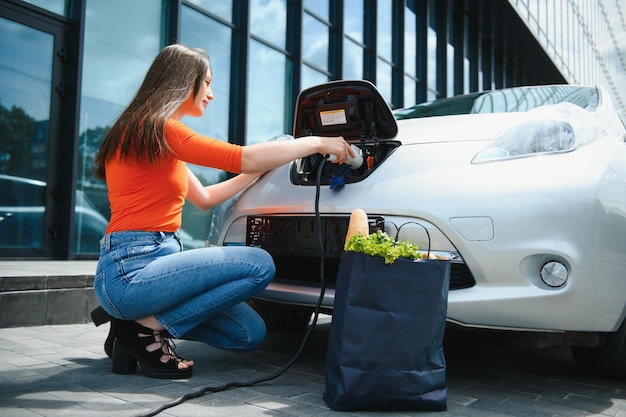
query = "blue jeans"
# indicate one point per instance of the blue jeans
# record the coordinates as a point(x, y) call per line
point(198, 294)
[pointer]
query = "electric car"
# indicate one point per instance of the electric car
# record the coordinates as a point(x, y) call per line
point(523, 189)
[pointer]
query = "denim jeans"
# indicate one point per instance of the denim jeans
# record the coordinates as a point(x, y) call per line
point(197, 294)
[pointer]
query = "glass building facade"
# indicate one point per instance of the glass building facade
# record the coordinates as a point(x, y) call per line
point(67, 69)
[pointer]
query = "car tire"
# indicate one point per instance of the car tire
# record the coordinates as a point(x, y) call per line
point(609, 359)
point(281, 317)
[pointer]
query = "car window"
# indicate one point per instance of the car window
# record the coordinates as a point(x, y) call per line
point(503, 101)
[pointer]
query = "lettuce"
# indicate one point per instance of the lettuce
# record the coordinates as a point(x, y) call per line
point(383, 245)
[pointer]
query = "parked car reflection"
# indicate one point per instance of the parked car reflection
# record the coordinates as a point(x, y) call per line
point(22, 208)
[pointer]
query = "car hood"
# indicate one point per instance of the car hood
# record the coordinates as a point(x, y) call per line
point(458, 128)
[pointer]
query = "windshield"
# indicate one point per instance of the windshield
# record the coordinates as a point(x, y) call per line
point(509, 100)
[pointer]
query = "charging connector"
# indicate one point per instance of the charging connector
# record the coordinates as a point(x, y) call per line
point(355, 162)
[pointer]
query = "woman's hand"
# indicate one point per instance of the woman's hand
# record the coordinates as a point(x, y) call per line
point(336, 146)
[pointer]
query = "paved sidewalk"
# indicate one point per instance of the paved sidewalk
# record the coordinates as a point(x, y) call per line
point(61, 370)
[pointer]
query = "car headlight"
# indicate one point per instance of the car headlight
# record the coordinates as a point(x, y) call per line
point(550, 129)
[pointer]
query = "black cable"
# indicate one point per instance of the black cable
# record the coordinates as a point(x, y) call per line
point(240, 384)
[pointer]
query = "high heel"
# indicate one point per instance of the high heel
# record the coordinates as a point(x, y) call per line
point(99, 317)
point(129, 347)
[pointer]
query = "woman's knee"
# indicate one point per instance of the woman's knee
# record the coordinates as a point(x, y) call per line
point(264, 264)
point(255, 338)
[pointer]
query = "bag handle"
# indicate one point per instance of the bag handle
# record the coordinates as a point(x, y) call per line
point(398, 228)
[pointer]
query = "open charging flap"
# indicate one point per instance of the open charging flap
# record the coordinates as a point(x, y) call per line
point(353, 109)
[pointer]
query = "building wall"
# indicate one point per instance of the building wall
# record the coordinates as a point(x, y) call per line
point(263, 52)
point(586, 40)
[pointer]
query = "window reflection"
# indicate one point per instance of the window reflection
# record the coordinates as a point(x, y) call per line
point(409, 92)
point(268, 20)
point(410, 43)
point(450, 69)
point(319, 7)
point(311, 77)
point(25, 73)
point(383, 80)
point(353, 19)
point(222, 8)
point(214, 122)
point(315, 42)
point(431, 62)
point(266, 99)
point(25, 94)
point(383, 24)
point(410, 55)
point(352, 60)
point(54, 6)
point(119, 48)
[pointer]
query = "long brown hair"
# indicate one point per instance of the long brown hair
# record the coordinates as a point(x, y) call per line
point(177, 72)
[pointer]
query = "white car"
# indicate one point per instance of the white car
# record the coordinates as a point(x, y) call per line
point(524, 189)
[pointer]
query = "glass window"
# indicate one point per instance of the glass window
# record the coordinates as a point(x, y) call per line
point(214, 123)
point(383, 79)
point(25, 98)
point(222, 8)
point(311, 77)
point(383, 23)
point(319, 7)
point(352, 60)
point(431, 63)
point(353, 19)
point(410, 43)
point(268, 20)
point(54, 6)
point(119, 48)
point(194, 30)
point(450, 70)
point(314, 41)
point(409, 92)
point(466, 75)
point(266, 99)
point(25, 80)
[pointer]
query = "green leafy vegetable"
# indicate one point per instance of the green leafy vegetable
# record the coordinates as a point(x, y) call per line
point(383, 245)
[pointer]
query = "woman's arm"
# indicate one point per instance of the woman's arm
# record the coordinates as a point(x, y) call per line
point(205, 197)
point(265, 156)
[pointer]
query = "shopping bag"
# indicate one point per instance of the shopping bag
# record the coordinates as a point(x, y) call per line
point(385, 344)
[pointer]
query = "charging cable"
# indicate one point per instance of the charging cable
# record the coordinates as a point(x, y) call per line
point(238, 384)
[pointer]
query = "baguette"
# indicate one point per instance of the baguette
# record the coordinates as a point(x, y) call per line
point(358, 225)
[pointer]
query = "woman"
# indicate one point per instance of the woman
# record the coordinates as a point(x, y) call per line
point(151, 289)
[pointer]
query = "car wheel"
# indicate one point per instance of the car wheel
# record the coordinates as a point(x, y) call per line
point(281, 317)
point(608, 359)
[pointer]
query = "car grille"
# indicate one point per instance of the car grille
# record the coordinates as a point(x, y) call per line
point(293, 242)
point(297, 269)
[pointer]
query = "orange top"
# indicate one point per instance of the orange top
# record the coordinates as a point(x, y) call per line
point(151, 197)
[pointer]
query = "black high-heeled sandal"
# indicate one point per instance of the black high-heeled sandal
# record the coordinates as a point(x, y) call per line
point(99, 317)
point(129, 347)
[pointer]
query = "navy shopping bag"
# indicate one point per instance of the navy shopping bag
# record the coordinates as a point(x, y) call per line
point(385, 345)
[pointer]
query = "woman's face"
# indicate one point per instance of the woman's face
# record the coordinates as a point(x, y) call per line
point(194, 106)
